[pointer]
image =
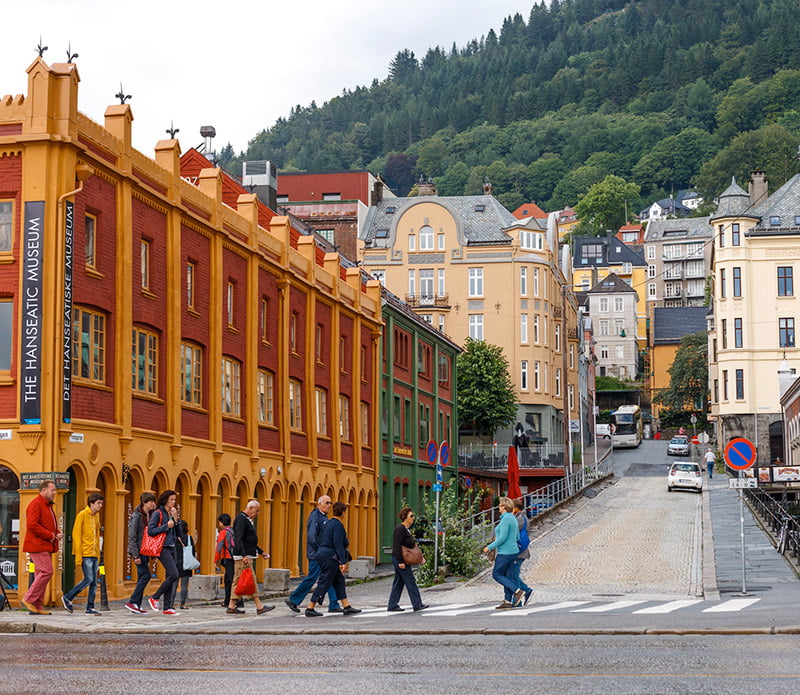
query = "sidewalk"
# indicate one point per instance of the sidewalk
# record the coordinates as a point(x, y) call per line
point(767, 573)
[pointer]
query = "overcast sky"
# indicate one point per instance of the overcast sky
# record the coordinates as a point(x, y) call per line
point(235, 65)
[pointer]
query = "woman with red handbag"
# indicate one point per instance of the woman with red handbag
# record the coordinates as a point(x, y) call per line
point(162, 521)
point(403, 571)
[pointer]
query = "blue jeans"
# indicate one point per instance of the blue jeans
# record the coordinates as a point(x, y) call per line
point(89, 569)
point(710, 469)
point(299, 594)
point(517, 568)
point(503, 573)
point(142, 580)
point(404, 578)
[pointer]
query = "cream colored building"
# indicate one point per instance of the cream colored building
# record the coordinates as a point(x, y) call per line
point(755, 309)
point(471, 269)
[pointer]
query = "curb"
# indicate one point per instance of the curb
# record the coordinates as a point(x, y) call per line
point(43, 628)
point(710, 587)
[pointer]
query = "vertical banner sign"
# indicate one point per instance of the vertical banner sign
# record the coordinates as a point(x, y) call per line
point(69, 234)
point(32, 287)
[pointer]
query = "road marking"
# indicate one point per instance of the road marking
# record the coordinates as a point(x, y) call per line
point(381, 612)
point(459, 611)
point(668, 607)
point(608, 607)
point(734, 604)
point(542, 609)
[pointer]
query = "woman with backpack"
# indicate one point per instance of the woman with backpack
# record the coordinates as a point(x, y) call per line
point(524, 591)
point(506, 534)
point(223, 554)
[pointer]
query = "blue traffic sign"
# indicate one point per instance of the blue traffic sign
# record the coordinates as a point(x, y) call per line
point(740, 453)
point(433, 449)
point(444, 453)
point(437, 487)
point(438, 472)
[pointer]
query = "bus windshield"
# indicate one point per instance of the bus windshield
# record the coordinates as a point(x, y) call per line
point(624, 423)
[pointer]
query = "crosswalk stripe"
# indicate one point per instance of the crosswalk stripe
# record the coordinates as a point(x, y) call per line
point(608, 607)
point(381, 612)
point(734, 604)
point(668, 607)
point(460, 611)
point(542, 609)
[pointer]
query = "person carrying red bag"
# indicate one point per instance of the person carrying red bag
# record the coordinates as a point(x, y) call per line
point(245, 551)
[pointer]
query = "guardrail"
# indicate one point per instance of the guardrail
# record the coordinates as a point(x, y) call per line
point(785, 527)
point(548, 497)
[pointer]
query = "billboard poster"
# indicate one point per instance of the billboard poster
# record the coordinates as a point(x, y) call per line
point(31, 301)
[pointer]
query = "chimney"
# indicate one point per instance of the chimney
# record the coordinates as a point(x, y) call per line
point(757, 188)
point(487, 187)
point(426, 187)
point(377, 191)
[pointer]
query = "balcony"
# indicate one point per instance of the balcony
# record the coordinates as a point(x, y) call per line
point(673, 292)
point(422, 301)
point(487, 458)
point(672, 273)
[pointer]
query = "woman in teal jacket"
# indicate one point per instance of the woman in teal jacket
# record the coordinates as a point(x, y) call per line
point(506, 534)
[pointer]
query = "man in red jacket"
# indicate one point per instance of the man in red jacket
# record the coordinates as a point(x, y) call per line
point(41, 541)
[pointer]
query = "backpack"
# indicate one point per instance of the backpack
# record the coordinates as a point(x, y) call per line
point(524, 540)
point(226, 542)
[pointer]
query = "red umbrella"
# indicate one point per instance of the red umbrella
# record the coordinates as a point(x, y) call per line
point(513, 474)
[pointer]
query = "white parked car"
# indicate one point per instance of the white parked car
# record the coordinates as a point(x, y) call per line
point(602, 431)
point(685, 475)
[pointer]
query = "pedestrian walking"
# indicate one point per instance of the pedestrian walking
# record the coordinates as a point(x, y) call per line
point(333, 556)
point(163, 520)
point(184, 540)
point(404, 573)
point(316, 522)
point(136, 526)
point(223, 553)
point(506, 534)
point(86, 549)
point(41, 541)
point(522, 523)
point(245, 551)
point(710, 459)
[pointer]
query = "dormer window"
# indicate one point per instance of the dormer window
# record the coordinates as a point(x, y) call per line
point(774, 221)
point(480, 207)
point(390, 211)
point(382, 234)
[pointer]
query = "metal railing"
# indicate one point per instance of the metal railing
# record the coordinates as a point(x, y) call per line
point(784, 526)
point(549, 496)
point(485, 458)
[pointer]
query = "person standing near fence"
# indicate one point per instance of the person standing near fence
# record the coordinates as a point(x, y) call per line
point(506, 534)
point(522, 521)
point(86, 549)
point(136, 526)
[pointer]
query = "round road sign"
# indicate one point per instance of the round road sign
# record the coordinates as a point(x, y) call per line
point(740, 453)
point(703, 437)
point(444, 453)
point(433, 449)
point(695, 440)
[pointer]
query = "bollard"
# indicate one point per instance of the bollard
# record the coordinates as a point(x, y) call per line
point(101, 570)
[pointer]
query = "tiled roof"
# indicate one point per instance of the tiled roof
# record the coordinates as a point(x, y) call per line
point(733, 202)
point(614, 253)
point(783, 204)
point(670, 324)
point(481, 219)
point(612, 284)
point(695, 227)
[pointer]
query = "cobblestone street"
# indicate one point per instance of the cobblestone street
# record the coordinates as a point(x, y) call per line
point(632, 539)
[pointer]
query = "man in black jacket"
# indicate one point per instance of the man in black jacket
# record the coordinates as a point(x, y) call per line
point(316, 521)
point(245, 551)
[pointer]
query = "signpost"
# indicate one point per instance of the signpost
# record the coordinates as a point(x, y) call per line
point(740, 454)
point(433, 451)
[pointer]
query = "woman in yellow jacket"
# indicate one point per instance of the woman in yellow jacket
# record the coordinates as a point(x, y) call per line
point(86, 548)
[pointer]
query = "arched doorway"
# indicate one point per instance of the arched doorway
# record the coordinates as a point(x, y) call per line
point(9, 525)
point(73, 501)
point(204, 525)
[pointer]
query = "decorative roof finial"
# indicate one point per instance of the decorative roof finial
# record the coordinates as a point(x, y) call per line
point(70, 55)
point(40, 49)
point(121, 95)
point(172, 130)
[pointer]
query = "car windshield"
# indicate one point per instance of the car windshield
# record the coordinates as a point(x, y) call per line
point(685, 468)
point(678, 440)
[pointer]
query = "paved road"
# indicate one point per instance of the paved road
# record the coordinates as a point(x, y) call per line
point(399, 663)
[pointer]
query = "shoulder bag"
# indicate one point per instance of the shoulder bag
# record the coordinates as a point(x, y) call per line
point(190, 562)
point(412, 556)
point(152, 545)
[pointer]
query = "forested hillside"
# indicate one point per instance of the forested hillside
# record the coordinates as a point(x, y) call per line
point(663, 93)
